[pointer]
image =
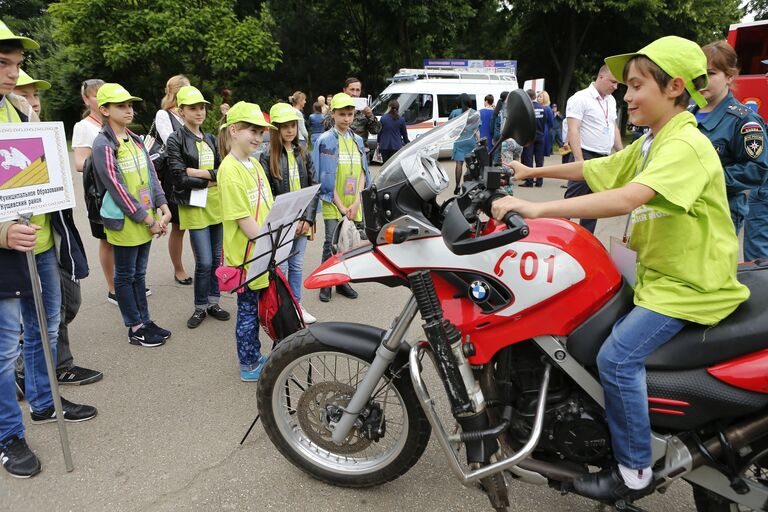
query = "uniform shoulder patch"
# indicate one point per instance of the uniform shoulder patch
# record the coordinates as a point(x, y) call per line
point(751, 127)
point(738, 110)
point(754, 144)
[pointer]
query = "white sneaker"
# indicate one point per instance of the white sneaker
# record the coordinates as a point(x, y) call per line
point(308, 318)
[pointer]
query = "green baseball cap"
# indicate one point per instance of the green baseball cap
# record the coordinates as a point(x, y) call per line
point(25, 79)
point(189, 95)
point(282, 113)
point(7, 35)
point(678, 57)
point(341, 100)
point(244, 112)
point(114, 93)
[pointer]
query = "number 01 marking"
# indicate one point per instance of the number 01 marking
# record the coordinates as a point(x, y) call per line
point(529, 271)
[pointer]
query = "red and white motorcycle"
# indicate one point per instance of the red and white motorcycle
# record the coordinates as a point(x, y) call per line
point(514, 316)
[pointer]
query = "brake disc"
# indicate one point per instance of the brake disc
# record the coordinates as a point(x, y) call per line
point(313, 414)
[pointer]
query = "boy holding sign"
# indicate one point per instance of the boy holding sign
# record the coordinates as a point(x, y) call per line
point(16, 301)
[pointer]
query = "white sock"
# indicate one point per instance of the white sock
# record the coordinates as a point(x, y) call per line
point(636, 478)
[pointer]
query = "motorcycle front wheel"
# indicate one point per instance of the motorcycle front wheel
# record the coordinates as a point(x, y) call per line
point(306, 383)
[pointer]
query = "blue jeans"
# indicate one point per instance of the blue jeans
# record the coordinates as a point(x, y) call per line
point(756, 227)
point(206, 246)
point(531, 153)
point(12, 313)
point(330, 229)
point(130, 289)
point(293, 267)
point(247, 329)
point(621, 362)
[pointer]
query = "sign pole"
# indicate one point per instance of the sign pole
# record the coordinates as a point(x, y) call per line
point(43, 324)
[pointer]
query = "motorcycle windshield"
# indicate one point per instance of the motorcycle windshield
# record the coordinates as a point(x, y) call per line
point(394, 171)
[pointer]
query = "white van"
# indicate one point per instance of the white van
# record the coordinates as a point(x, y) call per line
point(427, 96)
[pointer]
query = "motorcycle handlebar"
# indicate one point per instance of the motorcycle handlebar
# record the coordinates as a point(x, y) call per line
point(514, 221)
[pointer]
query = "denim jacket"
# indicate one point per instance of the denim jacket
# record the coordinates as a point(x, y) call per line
point(325, 155)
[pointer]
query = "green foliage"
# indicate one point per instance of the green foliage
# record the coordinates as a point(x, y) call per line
point(140, 44)
point(758, 8)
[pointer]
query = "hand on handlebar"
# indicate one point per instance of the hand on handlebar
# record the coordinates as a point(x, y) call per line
point(504, 205)
point(521, 172)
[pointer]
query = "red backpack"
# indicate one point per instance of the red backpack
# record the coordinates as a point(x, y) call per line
point(279, 313)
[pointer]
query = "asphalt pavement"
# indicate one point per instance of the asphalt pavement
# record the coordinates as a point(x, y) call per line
point(171, 418)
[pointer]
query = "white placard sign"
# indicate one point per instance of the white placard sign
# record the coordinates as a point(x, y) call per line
point(35, 176)
point(284, 211)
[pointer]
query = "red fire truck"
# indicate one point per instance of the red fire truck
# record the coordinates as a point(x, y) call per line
point(750, 40)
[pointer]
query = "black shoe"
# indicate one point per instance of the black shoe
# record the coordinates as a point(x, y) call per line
point(152, 326)
point(186, 281)
point(145, 337)
point(608, 486)
point(457, 190)
point(72, 412)
point(19, 387)
point(77, 376)
point(18, 459)
point(196, 319)
point(216, 312)
point(325, 294)
point(112, 298)
point(346, 291)
point(526, 185)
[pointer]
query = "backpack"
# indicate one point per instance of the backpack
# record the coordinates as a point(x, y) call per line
point(279, 313)
point(158, 155)
point(93, 191)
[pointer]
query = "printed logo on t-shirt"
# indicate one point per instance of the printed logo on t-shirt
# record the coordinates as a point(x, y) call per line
point(645, 213)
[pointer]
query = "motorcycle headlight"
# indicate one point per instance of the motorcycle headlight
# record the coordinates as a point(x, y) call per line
point(424, 174)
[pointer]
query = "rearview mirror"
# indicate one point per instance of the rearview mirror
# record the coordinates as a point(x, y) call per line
point(521, 122)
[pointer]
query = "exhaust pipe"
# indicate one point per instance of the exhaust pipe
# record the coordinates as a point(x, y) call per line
point(738, 436)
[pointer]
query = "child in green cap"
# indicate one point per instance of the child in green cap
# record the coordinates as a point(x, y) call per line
point(29, 89)
point(193, 160)
point(671, 182)
point(129, 209)
point(245, 199)
point(342, 169)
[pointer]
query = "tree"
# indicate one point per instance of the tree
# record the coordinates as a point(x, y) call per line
point(563, 39)
point(144, 43)
point(758, 8)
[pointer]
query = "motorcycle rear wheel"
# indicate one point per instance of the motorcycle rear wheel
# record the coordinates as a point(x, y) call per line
point(302, 380)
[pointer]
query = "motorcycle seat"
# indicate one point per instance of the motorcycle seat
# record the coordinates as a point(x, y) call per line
point(744, 331)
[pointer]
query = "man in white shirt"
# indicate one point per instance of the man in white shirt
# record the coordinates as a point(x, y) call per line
point(592, 129)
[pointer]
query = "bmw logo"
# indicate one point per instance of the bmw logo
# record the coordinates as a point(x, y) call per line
point(479, 291)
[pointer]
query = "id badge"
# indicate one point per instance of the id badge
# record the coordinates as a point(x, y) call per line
point(606, 130)
point(625, 260)
point(349, 186)
point(145, 198)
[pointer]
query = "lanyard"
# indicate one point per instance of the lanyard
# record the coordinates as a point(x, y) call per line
point(645, 151)
point(133, 151)
point(257, 180)
point(604, 110)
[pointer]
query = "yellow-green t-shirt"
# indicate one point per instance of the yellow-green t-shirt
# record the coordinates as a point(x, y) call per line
point(132, 166)
point(193, 217)
point(9, 114)
point(348, 172)
point(44, 239)
point(294, 180)
point(686, 248)
point(243, 188)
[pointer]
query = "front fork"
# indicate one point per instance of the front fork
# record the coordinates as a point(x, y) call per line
point(463, 390)
point(385, 354)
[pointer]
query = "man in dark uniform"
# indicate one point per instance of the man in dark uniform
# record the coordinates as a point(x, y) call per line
point(535, 151)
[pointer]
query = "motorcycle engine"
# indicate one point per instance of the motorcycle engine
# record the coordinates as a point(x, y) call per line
point(574, 427)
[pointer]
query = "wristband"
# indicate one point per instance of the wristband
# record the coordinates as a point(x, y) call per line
point(150, 226)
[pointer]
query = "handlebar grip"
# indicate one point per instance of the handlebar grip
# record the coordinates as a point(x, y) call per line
point(513, 220)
